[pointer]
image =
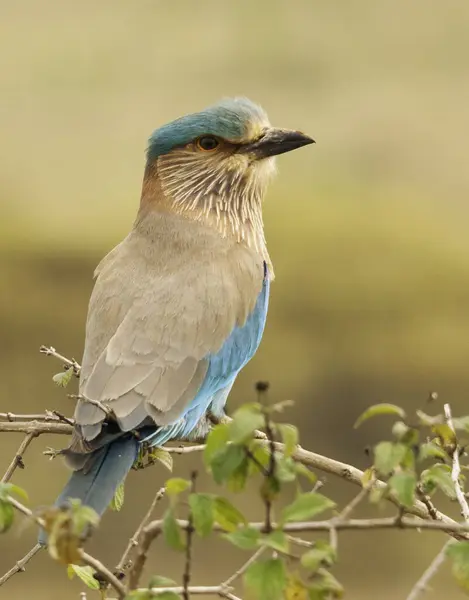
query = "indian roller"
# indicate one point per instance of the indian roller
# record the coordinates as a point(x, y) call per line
point(179, 306)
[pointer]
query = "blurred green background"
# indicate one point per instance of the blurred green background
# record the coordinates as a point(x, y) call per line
point(367, 229)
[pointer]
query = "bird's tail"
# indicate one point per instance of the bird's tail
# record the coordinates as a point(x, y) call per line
point(96, 485)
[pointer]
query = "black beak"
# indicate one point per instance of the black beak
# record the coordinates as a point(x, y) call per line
point(277, 141)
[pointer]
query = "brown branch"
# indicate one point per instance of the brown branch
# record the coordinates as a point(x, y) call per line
point(310, 459)
point(36, 427)
point(104, 572)
point(186, 576)
point(153, 529)
point(18, 458)
point(456, 468)
point(209, 590)
point(422, 584)
point(70, 363)
point(19, 567)
point(47, 416)
point(245, 566)
point(134, 540)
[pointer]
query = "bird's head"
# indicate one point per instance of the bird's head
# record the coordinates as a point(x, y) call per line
point(215, 164)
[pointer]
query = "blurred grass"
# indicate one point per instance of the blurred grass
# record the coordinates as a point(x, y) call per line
point(367, 229)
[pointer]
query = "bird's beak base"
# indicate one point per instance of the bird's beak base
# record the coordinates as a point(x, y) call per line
point(277, 141)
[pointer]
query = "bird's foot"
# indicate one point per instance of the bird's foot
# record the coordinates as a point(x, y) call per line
point(218, 419)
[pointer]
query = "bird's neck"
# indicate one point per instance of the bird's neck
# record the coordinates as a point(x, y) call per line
point(236, 222)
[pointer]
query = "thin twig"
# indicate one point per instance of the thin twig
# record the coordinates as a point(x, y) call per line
point(186, 576)
point(133, 542)
point(209, 590)
point(106, 410)
point(19, 567)
point(105, 573)
point(18, 458)
point(71, 363)
point(456, 469)
point(244, 567)
point(422, 584)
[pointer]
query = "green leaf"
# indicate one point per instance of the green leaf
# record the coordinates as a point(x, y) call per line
point(176, 486)
point(290, 436)
point(160, 581)
point(168, 596)
point(63, 378)
point(118, 501)
point(389, 455)
point(431, 450)
point(305, 472)
point(162, 456)
point(227, 515)
point(266, 579)
point(202, 510)
point(276, 540)
point(379, 409)
point(245, 538)
point(458, 552)
point(295, 588)
point(286, 470)
point(403, 485)
point(461, 423)
point(217, 440)
point(245, 421)
point(86, 574)
point(172, 532)
point(237, 480)
point(321, 555)
point(306, 506)
point(7, 515)
point(325, 587)
point(8, 489)
point(439, 475)
point(429, 420)
point(445, 434)
point(226, 461)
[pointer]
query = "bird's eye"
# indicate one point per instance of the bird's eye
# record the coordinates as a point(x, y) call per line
point(207, 143)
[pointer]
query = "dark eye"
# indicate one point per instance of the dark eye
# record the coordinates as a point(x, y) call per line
point(207, 143)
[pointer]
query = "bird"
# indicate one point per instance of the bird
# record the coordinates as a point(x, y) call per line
point(179, 306)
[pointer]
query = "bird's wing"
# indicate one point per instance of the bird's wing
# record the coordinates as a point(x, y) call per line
point(165, 324)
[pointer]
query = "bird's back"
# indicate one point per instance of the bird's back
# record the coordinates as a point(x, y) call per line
point(165, 298)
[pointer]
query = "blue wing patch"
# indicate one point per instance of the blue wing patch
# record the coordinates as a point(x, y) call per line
point(223, 368)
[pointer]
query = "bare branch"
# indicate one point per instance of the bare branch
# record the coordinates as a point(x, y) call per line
point(422, 584)
point(71, 363)
point(18, 458)
point(19, 567)
point(186, 576)
point(209, 590)
point(245, 566)
point(133, 542)
point(104, 572)
point(47, 416)
point(456, 469)
point(36, 427)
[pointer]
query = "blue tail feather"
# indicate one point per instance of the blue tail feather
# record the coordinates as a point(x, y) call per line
point(96, 487)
